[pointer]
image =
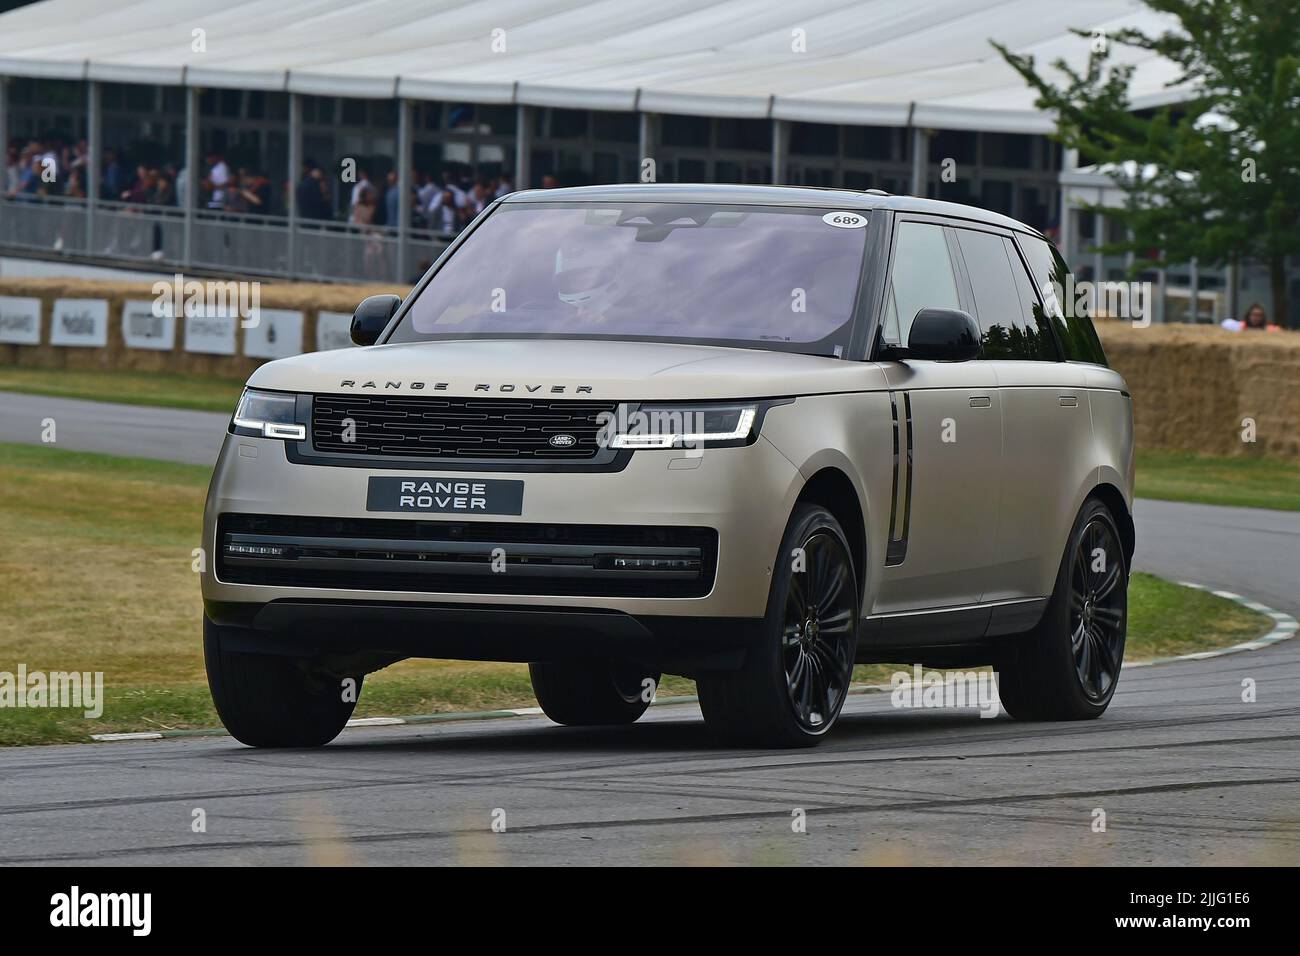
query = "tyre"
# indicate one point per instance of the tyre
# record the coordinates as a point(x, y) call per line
point(588, 694)
point(268, 700)
point(1067, 668)
point(792, 685)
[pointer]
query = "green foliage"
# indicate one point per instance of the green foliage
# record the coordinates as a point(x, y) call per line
point(1213, 176)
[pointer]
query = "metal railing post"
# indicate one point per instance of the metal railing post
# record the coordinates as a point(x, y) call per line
point(647, 143)
point(295, 171)
point(404, 161)
point(523, 145)
point(780, 150)
point(920, 161)
point(190, 195)
point(4, 133)
point(93, 150)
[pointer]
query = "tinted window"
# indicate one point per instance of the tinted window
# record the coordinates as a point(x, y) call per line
point(922, 278)
point(1008, 327)
point(1078, 337)
point(1029, 307)
point(772, 277)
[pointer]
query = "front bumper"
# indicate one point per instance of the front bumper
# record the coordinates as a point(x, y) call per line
point(738, 497)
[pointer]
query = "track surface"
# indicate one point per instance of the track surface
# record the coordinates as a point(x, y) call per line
point(1185, 771)
point(136, 431)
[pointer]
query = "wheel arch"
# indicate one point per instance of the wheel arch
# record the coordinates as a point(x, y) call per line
point(1113, 499)
point(831, 488)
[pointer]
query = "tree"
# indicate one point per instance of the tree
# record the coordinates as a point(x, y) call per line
point(1215, 176)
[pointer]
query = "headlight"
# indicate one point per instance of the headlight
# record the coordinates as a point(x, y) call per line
point(680, 426)
point(268, 415)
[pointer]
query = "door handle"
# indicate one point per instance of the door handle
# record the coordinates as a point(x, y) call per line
point(980, 401)
point(1069, 401)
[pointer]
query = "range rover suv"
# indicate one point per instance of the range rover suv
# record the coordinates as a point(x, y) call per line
point(750, 435)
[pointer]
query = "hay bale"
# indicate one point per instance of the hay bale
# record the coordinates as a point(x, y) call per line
point(1194, 385)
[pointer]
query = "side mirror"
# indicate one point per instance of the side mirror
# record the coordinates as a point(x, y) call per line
point(372, 316)
point(948, 335)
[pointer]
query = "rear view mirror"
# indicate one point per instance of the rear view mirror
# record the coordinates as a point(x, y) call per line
point(372, 317)
point(946, 335)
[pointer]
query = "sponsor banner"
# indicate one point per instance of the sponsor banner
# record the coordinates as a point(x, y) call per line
point(148, 324)
point(20, 320)
point(79, 323)
point(277, 334)
point(333, 330)
point(210, 334)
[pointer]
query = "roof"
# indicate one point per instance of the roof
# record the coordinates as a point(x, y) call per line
point(756, 195)
point(871, 62)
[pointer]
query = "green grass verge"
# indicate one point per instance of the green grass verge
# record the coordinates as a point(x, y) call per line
point(98, 577)
point(1243, 482)
point(167, 389)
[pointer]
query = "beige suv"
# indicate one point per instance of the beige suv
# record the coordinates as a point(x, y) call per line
point(749, 435)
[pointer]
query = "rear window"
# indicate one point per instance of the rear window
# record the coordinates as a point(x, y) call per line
point(1077, 335)
point(759, 276)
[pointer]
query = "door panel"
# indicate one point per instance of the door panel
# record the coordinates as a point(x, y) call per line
point(947, 492)
point(1047, 454)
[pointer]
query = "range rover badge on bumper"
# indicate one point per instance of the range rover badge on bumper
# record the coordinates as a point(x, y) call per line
point(483, 496)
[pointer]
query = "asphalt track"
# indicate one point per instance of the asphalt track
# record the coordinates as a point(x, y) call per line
point(1184, 770)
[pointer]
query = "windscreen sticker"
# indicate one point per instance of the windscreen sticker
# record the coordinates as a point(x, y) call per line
point(845, 220)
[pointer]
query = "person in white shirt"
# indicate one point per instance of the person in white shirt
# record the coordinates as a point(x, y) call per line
point(218, 181)
point(441, 211)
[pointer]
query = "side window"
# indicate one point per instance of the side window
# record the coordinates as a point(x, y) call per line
point(1048, 269)
point(922, 278)
point(1009, 329)
point(1034, 315)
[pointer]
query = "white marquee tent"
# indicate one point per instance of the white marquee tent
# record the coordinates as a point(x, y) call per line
point(876, 62)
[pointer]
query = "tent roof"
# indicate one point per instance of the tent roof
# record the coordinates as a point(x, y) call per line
point(871, 62)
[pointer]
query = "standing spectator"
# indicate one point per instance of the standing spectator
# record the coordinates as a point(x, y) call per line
point(181, 184)
point(79, 158)
point(51, 170)
point(114, 183)
point(217, 181)
point(1256, 320)
point(441, 211)
point(161, 193)
point(425, 192)
point(237, 196)
point(359, 189)
point(74, 188)
point(29, 181)
point(311, 200)
point(255, 190)
point(505, 186)
point(363, 208)
point(138, 191)
point(392, 200)
point(12, 172)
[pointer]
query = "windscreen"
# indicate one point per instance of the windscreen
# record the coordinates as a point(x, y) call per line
point(757, 276)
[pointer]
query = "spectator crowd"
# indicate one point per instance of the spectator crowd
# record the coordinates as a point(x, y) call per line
point(442, 201)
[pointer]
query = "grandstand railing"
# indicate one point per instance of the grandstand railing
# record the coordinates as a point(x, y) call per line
point(243, 244)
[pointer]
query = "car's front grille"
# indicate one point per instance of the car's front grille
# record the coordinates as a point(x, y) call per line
point(472, 557)
point(446, 427)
